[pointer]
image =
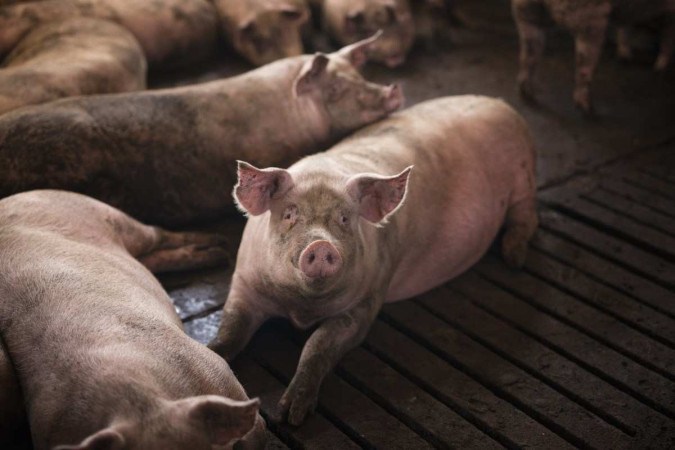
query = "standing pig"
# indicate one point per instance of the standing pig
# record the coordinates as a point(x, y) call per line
point(166, 156)
point(347, 21)
point(338, 234)
point(264, 30)
point(102, 57)
point(587, 21)
point(171, 32)
point(98, 350)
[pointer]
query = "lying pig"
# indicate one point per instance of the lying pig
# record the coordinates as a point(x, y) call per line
point(338, 234)
point(166, 156)
point(347, 21)
point(587, 21)
point(171, 32)
point(78, 56)
point(433, 19)
point(97, 347)
point(263, 31)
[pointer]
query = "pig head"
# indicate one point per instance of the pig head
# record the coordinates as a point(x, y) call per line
point(348, 21)
point(263, 31)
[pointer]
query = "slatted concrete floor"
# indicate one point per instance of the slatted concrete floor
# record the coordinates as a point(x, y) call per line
point(576, 350)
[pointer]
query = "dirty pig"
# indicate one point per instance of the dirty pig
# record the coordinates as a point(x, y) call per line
point(102, 58)
point(171, 32)
point(587, 21)
point(166, 156)
point(97, 347)
point(390, 212)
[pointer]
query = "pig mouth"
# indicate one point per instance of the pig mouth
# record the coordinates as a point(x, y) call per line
point(394, 61)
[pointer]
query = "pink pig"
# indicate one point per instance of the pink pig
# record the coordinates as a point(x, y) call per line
point(338, 234)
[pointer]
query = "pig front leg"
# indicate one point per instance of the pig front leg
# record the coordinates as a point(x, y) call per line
point(323, 350)
point(172, 252)
point(588, 42)
point(667, 46)
point(240, 321)
point(623, 48)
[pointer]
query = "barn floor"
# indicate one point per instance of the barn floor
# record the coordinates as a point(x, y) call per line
point(577, 349)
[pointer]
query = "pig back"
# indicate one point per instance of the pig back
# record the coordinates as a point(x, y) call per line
point(472, 156)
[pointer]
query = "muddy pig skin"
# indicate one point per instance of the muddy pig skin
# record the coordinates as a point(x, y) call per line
point(171, 32)
point(263, 31)
point(97, 347)
point(587, 21)
point(75, 57)
point(347, 21)
point(398, 208)
point(167, 156)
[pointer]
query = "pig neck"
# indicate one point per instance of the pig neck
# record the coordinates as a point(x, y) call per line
point(300, 122)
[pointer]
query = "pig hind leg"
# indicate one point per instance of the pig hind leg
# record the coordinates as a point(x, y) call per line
point(182, 251)
point(521, 224)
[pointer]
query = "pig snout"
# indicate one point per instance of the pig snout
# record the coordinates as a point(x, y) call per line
point(320, 259)
point(394, 61)
point(393, 98)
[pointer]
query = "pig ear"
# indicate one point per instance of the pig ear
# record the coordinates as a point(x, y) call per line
point(258, 187)
point(357, 53)
point(378, 197)
point(225, 420)
point(310, 74)
point(106, 439)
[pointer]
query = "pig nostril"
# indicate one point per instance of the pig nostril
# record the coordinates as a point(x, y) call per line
point(311, 258)
point(329, 258)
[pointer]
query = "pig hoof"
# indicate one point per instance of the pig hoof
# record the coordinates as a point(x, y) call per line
point(661, 65)
point(297, 404)
point(514, 253)
point(625, 54)
point(526, 90)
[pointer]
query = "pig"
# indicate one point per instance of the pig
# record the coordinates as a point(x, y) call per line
point(102, 57)
point(98, 350)
point(587, 20)
point(263, 31)
point(433, 19)
point(171, 32)
point(165, 156)
point(390, 212)
point(347, 21)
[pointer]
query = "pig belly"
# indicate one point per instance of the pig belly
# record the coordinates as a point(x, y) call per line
point(451, 252)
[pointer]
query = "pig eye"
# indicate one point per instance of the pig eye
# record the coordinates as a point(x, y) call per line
point(290, 214)
point(344, 220)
